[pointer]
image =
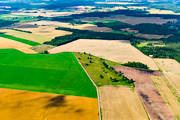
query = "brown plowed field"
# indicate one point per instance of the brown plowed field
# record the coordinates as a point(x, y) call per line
point(115, 50)
point(121, 103)
point(25, 105)
point(154, 103)
point(7, 43)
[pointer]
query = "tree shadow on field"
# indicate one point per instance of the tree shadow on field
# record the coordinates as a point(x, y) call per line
point(56, 101)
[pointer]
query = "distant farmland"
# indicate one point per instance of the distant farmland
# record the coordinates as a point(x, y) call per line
point(57, 73)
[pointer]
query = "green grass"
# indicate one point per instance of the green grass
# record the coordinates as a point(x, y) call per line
point(99, 73)
point(20, 40)
point(54, 73)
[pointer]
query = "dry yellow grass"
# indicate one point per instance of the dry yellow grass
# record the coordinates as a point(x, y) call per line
point(121, 103)
point(114, 50)
point(28, 36)
point(169, 94)
point(171, 70)
point(47, 31)
point(24, 105)
point(7, 43)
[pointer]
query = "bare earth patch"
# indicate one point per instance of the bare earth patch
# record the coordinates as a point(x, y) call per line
point(155, 106)
point(7, 43)
point(121, 103)
point(115, 50)
point(25, 105)
point(171, 70)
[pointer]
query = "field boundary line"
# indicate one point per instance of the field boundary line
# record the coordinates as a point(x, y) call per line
point(97, 90)
point(167, 78)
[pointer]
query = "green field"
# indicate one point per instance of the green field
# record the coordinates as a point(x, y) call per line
point(53, 73)
point(100, 73)
point(20, 40)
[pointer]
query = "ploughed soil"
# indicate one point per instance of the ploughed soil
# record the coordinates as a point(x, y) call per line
point(152, 100)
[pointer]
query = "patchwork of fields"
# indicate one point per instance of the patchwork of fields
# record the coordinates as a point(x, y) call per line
point(114, 50)
point(58, 73)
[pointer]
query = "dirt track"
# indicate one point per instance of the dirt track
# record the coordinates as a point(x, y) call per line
point(154, 103)
point(115, 50)
point(121, 103)
point(25, 105)
point(7, 43)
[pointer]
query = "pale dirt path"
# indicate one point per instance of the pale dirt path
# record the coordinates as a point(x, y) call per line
point(121, 103)
point(25, 105)
point(115, 50)
point(8, 44)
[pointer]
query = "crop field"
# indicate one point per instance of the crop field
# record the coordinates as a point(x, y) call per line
point(47, 31)
point(113, 50)
point(7, 43)
point(169, 94)
point(171, 70)
point(58, 73)
point(121, 103)
point(154, 103)
point(25, 105)
point(19, 39)
point(28, 36)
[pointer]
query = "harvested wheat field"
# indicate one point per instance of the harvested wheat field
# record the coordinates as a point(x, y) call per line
point(28, 36)
point(121, 103)
point(154, 104)
point(115, 50)
point(7, 43)
point(47, 31)
point(25, 105)
point(171, 70)
point(169, 94)
point(69, 25)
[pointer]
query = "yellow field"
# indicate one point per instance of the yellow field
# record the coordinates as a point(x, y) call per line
point(171, 70)
point(47, 31)
point(24, 105)
point(7, 43)
point(169, 95)
point(114, 50)
point(158, 11)
point(28, 36)
point(121, 103)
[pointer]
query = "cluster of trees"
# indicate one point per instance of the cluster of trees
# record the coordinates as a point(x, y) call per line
point(21, 30)
point(4, 23)
point(116, 25)
point(159, 52)
point(85, 34)
point(136, 65)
